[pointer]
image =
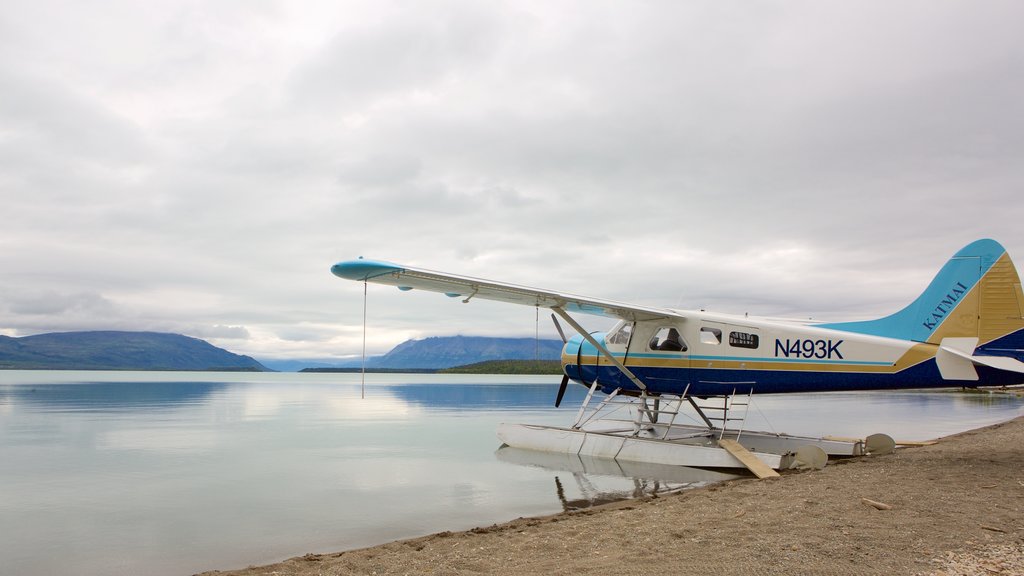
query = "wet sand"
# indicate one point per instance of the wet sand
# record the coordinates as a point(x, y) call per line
point(955, 507)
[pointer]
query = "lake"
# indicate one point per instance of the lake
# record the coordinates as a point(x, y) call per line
point(175, 473)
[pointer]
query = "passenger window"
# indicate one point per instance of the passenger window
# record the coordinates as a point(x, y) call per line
point(621, 336)
point(743, 340)
point(667, 339)
point(710, 336)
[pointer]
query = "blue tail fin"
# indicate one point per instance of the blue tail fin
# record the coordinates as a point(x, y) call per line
point(977, 294)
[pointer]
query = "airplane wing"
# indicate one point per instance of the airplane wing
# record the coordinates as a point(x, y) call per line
point(467, 288)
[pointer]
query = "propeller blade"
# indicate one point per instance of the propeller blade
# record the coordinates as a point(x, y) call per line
point(559, 328)
point(561, 390)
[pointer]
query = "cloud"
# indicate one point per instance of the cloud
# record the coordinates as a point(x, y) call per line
point(399, 51)
point(220, 332)
point(198, 168)
point(52, 303)
point(53, 122)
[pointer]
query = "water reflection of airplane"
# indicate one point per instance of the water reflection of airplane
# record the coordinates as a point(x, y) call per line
point(965, 329)
point(601, 480)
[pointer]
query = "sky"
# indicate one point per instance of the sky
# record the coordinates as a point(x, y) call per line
point(197, 167)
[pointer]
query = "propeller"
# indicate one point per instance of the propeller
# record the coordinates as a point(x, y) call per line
point(561, 390)
point(559, 328)
point(565, 378)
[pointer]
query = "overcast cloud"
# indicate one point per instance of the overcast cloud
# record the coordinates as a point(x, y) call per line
point(196, 167)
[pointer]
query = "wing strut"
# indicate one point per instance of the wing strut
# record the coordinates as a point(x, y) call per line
point(604, 351)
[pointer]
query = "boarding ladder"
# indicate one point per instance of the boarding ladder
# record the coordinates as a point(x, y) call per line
point(647, 411)
point(653, 409)
point(725, 409)
point(719, 412)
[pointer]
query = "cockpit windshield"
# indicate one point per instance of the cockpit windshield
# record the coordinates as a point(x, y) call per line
point(621, 333)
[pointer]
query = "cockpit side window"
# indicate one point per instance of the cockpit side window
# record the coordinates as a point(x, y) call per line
point(710, 335)
point(744, 340)
point(621, 336)
point(667, 339)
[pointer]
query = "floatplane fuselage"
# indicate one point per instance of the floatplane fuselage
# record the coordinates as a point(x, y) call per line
point(965, 330)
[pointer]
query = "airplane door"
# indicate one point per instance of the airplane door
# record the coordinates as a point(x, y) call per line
point(659, 354)
point(745, 344)
point(726, 355)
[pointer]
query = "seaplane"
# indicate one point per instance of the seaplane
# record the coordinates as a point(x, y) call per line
point(965, 330)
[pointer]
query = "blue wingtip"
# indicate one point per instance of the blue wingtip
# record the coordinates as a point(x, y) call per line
point(363, 269)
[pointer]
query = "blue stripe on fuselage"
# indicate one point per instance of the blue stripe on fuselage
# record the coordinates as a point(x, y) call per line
point(716, 381)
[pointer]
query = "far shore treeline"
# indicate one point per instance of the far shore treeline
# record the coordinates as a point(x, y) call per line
point(486, 367)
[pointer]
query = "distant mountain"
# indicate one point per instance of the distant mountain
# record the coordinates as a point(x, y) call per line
point(441, 352)
point(449, 351)
point(299, 364)
point(112, 350)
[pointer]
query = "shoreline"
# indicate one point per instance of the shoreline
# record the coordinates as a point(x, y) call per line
point(956, 507)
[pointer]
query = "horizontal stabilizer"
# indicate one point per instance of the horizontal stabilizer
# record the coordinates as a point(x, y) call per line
point(954, 359)
point(1000, 363)
point(952, 347)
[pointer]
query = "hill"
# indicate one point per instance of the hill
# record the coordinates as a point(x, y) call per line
point(112, 350)
point(449, 351)
point(441, 352)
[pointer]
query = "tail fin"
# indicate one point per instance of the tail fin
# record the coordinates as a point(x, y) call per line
point(977, 294)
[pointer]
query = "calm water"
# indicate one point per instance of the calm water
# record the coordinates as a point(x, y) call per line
point(174, 473)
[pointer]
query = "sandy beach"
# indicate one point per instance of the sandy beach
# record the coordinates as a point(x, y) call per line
point(955, 507)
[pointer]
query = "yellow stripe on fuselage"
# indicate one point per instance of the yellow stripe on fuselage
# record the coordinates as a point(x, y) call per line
point(917, 354)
